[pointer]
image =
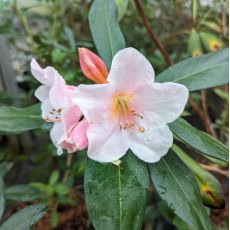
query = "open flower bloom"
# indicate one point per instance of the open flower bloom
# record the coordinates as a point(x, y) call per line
point(130, 111)
point(56, 98)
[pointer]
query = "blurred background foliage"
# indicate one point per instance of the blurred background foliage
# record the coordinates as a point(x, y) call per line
point(51, 32)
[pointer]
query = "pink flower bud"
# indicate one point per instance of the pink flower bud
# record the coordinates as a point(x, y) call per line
point(92, 66)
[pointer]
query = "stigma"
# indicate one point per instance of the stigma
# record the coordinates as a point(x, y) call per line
point(124, 111)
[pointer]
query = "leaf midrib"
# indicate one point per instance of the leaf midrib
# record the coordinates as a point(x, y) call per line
point(21, 116)
point(194, 210)
point(108, 28)
point(120, 200)
point(225, 150)
point(202, 70)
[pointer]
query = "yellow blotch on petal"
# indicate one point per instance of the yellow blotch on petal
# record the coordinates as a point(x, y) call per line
point(121, 103)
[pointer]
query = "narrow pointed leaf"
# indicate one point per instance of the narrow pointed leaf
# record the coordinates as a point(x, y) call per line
point(200, 72)
point(25, 218)
point(121, 6)
point(199, 140)
point(16, 120)
point(210, 187)
point(178, 188)
point(2, 198)
point(116, 195)
point(107, 36)
point(22, 192)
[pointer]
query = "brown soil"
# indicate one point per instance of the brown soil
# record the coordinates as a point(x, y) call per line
point(69, 218)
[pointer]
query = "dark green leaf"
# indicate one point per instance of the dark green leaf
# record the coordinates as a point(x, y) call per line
point(107, 36)
point(61, 189)
point(116, 195)
point(178, 188)
point(5, 98)
point(210, 187)
point(199, 140)
point(2, 199)
point(3, 169)
point(22, 192)
point(25, 218)
point(180, 224)
point(200, 72)
point(15, 120)
point(54, 178)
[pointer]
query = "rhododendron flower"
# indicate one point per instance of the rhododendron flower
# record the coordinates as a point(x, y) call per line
point(68, 131)
point(130, 111)
point(92, 66)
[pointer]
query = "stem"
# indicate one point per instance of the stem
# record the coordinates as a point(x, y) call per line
point(206, 114)
point(55, 19)
point(201, 114)
point(224, 19)
point(152, 33)
point(69, 160)
point(24, 25)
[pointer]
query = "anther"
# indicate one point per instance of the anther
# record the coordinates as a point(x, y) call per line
point(142, 129)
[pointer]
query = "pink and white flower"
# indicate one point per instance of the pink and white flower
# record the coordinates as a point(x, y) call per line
point(69, 131)
point(130, 111)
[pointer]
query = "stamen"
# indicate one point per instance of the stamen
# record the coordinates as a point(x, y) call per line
point(53, 116)
point(142, 129)
point(126, 113)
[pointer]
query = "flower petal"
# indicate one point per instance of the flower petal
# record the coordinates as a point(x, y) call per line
point(105, 143)
point(95, 101)
point(56, 133)
point(42, 93)
point(130, 69)
point(46, 76)
point(46, 108)
point(76, 139)
point(61, 95)
point(161, 102)
point(71, 117)
point(152, 144)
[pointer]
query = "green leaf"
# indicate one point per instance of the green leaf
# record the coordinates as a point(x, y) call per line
point(116, 195)
point(210, 187)
point(194, 44)
point(199, 140)
point(39, 185)
point(5, 98)
point(61, 189)
point(200, 72)
point(16, 120)
point(25, 218)
point(22, 192)
point(122, 7)
point(177, 186)
point(54, 178)
point(107, 36)
point(3, 169)
point(180, 224)
point(2, 199)
point(194, 9)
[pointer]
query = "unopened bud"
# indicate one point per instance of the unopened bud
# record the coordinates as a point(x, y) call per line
point(92, 66)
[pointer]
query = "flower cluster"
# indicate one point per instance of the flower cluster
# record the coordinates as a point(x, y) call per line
point(125, 110)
